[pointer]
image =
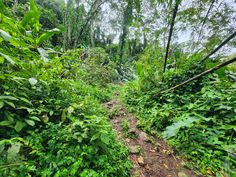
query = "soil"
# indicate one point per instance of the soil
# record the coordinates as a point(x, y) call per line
point(151, 156)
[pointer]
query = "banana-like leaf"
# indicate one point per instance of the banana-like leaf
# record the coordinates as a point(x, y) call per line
point(45, 36)
point(31, 17)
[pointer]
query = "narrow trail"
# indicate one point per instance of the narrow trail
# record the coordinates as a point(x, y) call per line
point(151, 157)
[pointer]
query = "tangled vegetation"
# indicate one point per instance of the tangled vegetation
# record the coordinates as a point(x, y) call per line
point(198, 120)
point(60, 61)
point(52, 123)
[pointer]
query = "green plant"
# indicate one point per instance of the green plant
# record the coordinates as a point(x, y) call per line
point(51, 123)
point(198, 120)
point(125, 126)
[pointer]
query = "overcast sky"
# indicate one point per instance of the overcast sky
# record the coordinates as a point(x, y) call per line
point(182, 37)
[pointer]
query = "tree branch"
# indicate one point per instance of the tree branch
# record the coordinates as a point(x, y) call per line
point(200, 75)
point(219, 47)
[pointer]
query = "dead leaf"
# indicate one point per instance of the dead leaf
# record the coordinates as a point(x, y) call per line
point(166, 166)
point(140, 160)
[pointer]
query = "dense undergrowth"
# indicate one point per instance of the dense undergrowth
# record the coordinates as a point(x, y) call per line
point(198, 120)
point(51, 119)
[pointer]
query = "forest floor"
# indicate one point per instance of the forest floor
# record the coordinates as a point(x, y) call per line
point(151, 156)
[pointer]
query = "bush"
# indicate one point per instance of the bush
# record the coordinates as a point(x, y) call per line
point(198, 120)
point(52, 123)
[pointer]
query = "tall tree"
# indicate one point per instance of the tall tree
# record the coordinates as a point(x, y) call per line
point(171, 31)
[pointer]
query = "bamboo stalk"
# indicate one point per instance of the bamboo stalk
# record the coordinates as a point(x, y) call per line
point(219, 47)
point(170, 33)
point(200, 75)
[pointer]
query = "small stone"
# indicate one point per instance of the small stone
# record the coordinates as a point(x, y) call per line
point(134, 149)
point(182, 174)
point(143, 136)
point(127, 140)
point(140, 160)
point(132, 130)
point(147, 167)
point(157, 149)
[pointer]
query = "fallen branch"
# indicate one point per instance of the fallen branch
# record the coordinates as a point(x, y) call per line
point(199, 75)
point(221, 45)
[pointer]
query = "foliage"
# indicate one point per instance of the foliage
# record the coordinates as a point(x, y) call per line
point(93, 66)
point(51, 119)
point(198, 120)
point(51, 123)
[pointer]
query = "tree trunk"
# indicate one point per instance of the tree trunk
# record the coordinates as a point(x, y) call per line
point(170, 33)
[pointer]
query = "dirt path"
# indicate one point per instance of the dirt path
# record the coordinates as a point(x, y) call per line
point(151, 157)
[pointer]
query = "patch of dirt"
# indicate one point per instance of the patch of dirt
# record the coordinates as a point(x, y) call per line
point(151, 157)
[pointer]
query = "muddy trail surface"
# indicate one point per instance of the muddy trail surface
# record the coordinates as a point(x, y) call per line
point(151, 157)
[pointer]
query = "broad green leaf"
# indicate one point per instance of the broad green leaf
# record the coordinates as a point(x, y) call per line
point(5, 123)
point(45, 36)
point(30, 110)
point(30, 122)
point(33, 81)
point(51, 113)
point(8, 98)
point(31, 17)
point(9, 59)
point(228, 127)
point(174, 128)
point(105, 138)
point(25, 100)
point(19, 126)
point(13, 151)
point(94, 137)
point(35, 118)
point(6, 36)
point(10, 103)
point(17, 43)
